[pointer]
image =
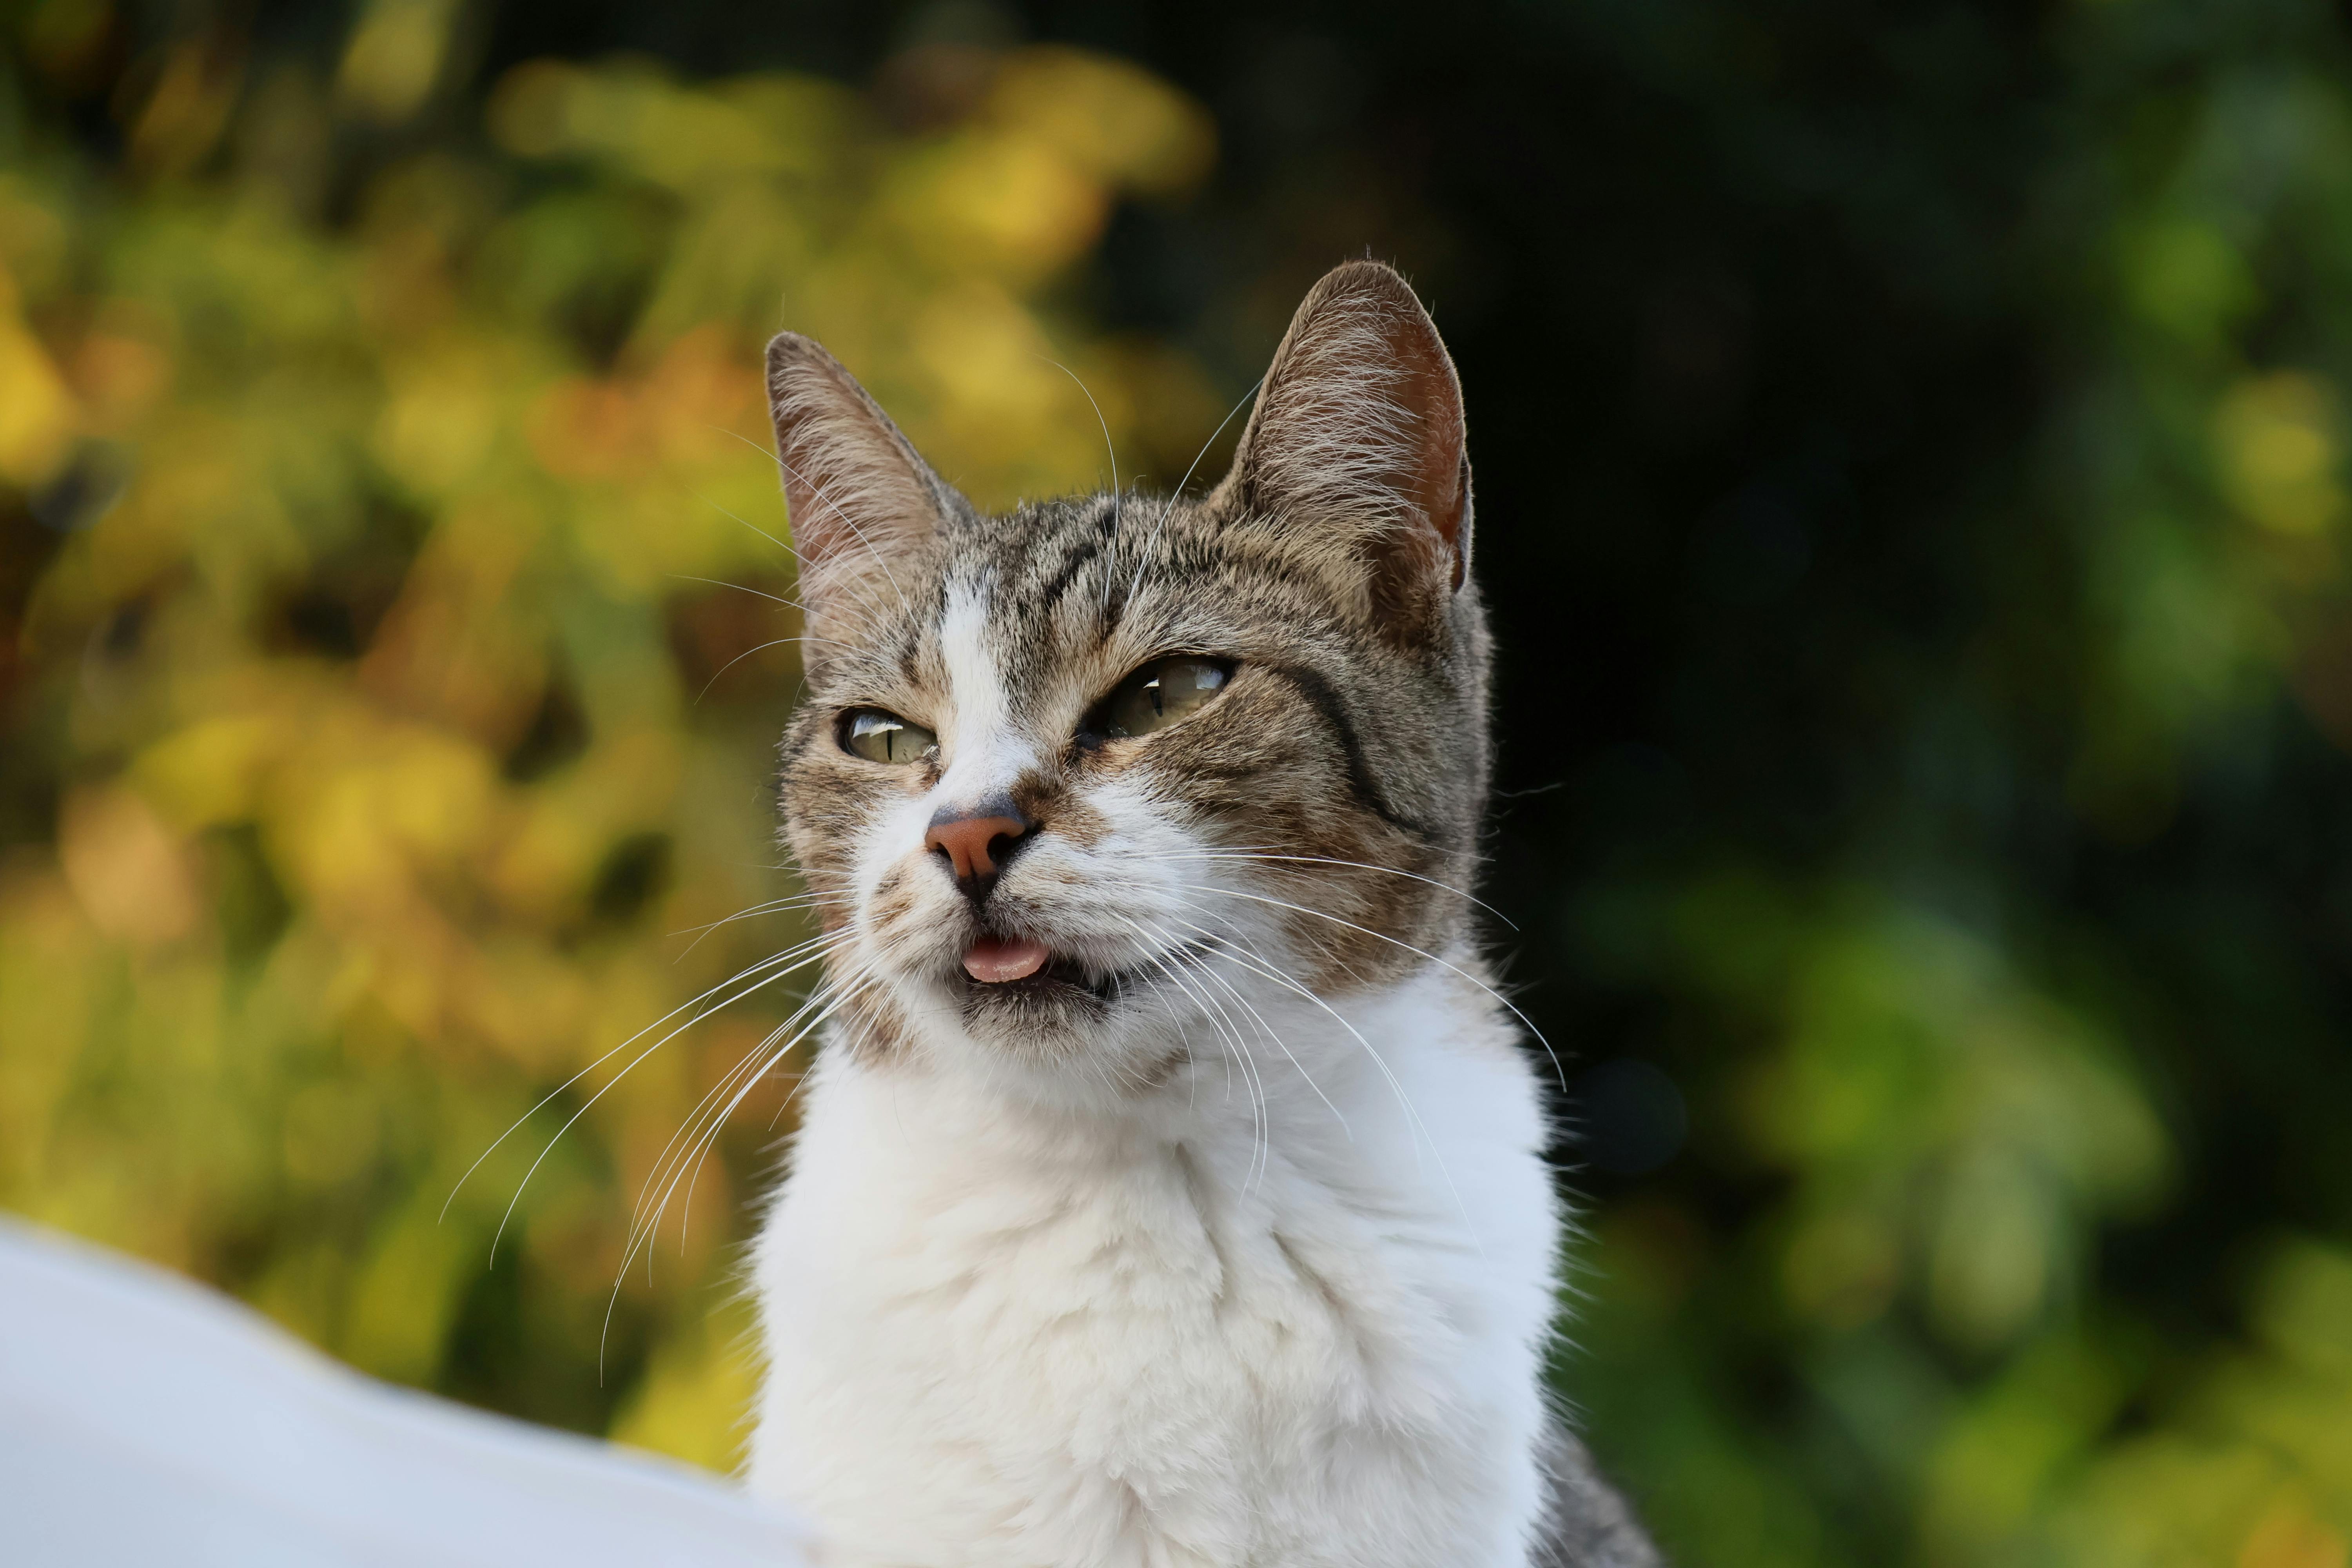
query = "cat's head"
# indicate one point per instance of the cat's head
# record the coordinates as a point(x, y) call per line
point(1079, 786)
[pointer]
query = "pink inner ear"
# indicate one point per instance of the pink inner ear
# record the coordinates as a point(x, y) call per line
point(1439, 488)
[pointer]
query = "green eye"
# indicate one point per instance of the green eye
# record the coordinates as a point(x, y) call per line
point(1162, 692)
point(881, 737)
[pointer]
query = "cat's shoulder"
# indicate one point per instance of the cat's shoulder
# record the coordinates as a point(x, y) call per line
point(1586, 1522)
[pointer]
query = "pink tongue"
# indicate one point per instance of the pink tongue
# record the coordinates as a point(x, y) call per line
point(994, 960)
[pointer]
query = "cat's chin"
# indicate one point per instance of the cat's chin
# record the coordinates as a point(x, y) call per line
point(1060, 987)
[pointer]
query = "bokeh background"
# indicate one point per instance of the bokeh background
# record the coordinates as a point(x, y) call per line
point(1911, 444)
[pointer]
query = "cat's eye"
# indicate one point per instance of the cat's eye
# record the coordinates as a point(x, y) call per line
point(1162, 692)
point(884, 737)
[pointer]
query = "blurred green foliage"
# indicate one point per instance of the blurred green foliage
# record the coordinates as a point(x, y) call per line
point(1945, 634)
point(2003, 1280)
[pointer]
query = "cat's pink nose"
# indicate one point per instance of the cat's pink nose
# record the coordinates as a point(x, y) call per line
point(977, 842)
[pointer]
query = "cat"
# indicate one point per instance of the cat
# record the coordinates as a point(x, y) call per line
point(1170, 1189)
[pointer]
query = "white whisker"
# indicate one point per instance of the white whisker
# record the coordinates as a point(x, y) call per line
point(1264, 1027)
point(1117, 496)
point(1393, 942)
point(1250, 958)
point(1327, 860)
point(549, 1097)
point(1260, 1114)
point(591, 1103)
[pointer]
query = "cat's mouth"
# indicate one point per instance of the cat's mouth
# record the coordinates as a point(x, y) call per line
point(1023, 970)
point(1005, 960)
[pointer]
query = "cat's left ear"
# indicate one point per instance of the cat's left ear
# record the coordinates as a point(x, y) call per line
point(1359, 430)
point(858, 496)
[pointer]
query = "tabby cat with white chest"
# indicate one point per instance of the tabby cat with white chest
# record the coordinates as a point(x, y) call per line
point(1170, 1188)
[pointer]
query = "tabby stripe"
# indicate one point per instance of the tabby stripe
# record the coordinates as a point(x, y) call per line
point(1326, 701)
point(1086, 550)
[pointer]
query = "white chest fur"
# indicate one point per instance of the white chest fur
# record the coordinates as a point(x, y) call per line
point(1297, 1327)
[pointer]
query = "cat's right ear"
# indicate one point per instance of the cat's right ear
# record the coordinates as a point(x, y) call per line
point(858, 497)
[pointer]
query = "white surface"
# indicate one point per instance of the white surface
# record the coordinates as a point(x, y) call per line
point(144, 1420)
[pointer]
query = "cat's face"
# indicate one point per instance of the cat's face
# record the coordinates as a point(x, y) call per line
point(1086, 789)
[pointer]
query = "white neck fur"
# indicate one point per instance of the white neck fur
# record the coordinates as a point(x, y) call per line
point(1241, 1319)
